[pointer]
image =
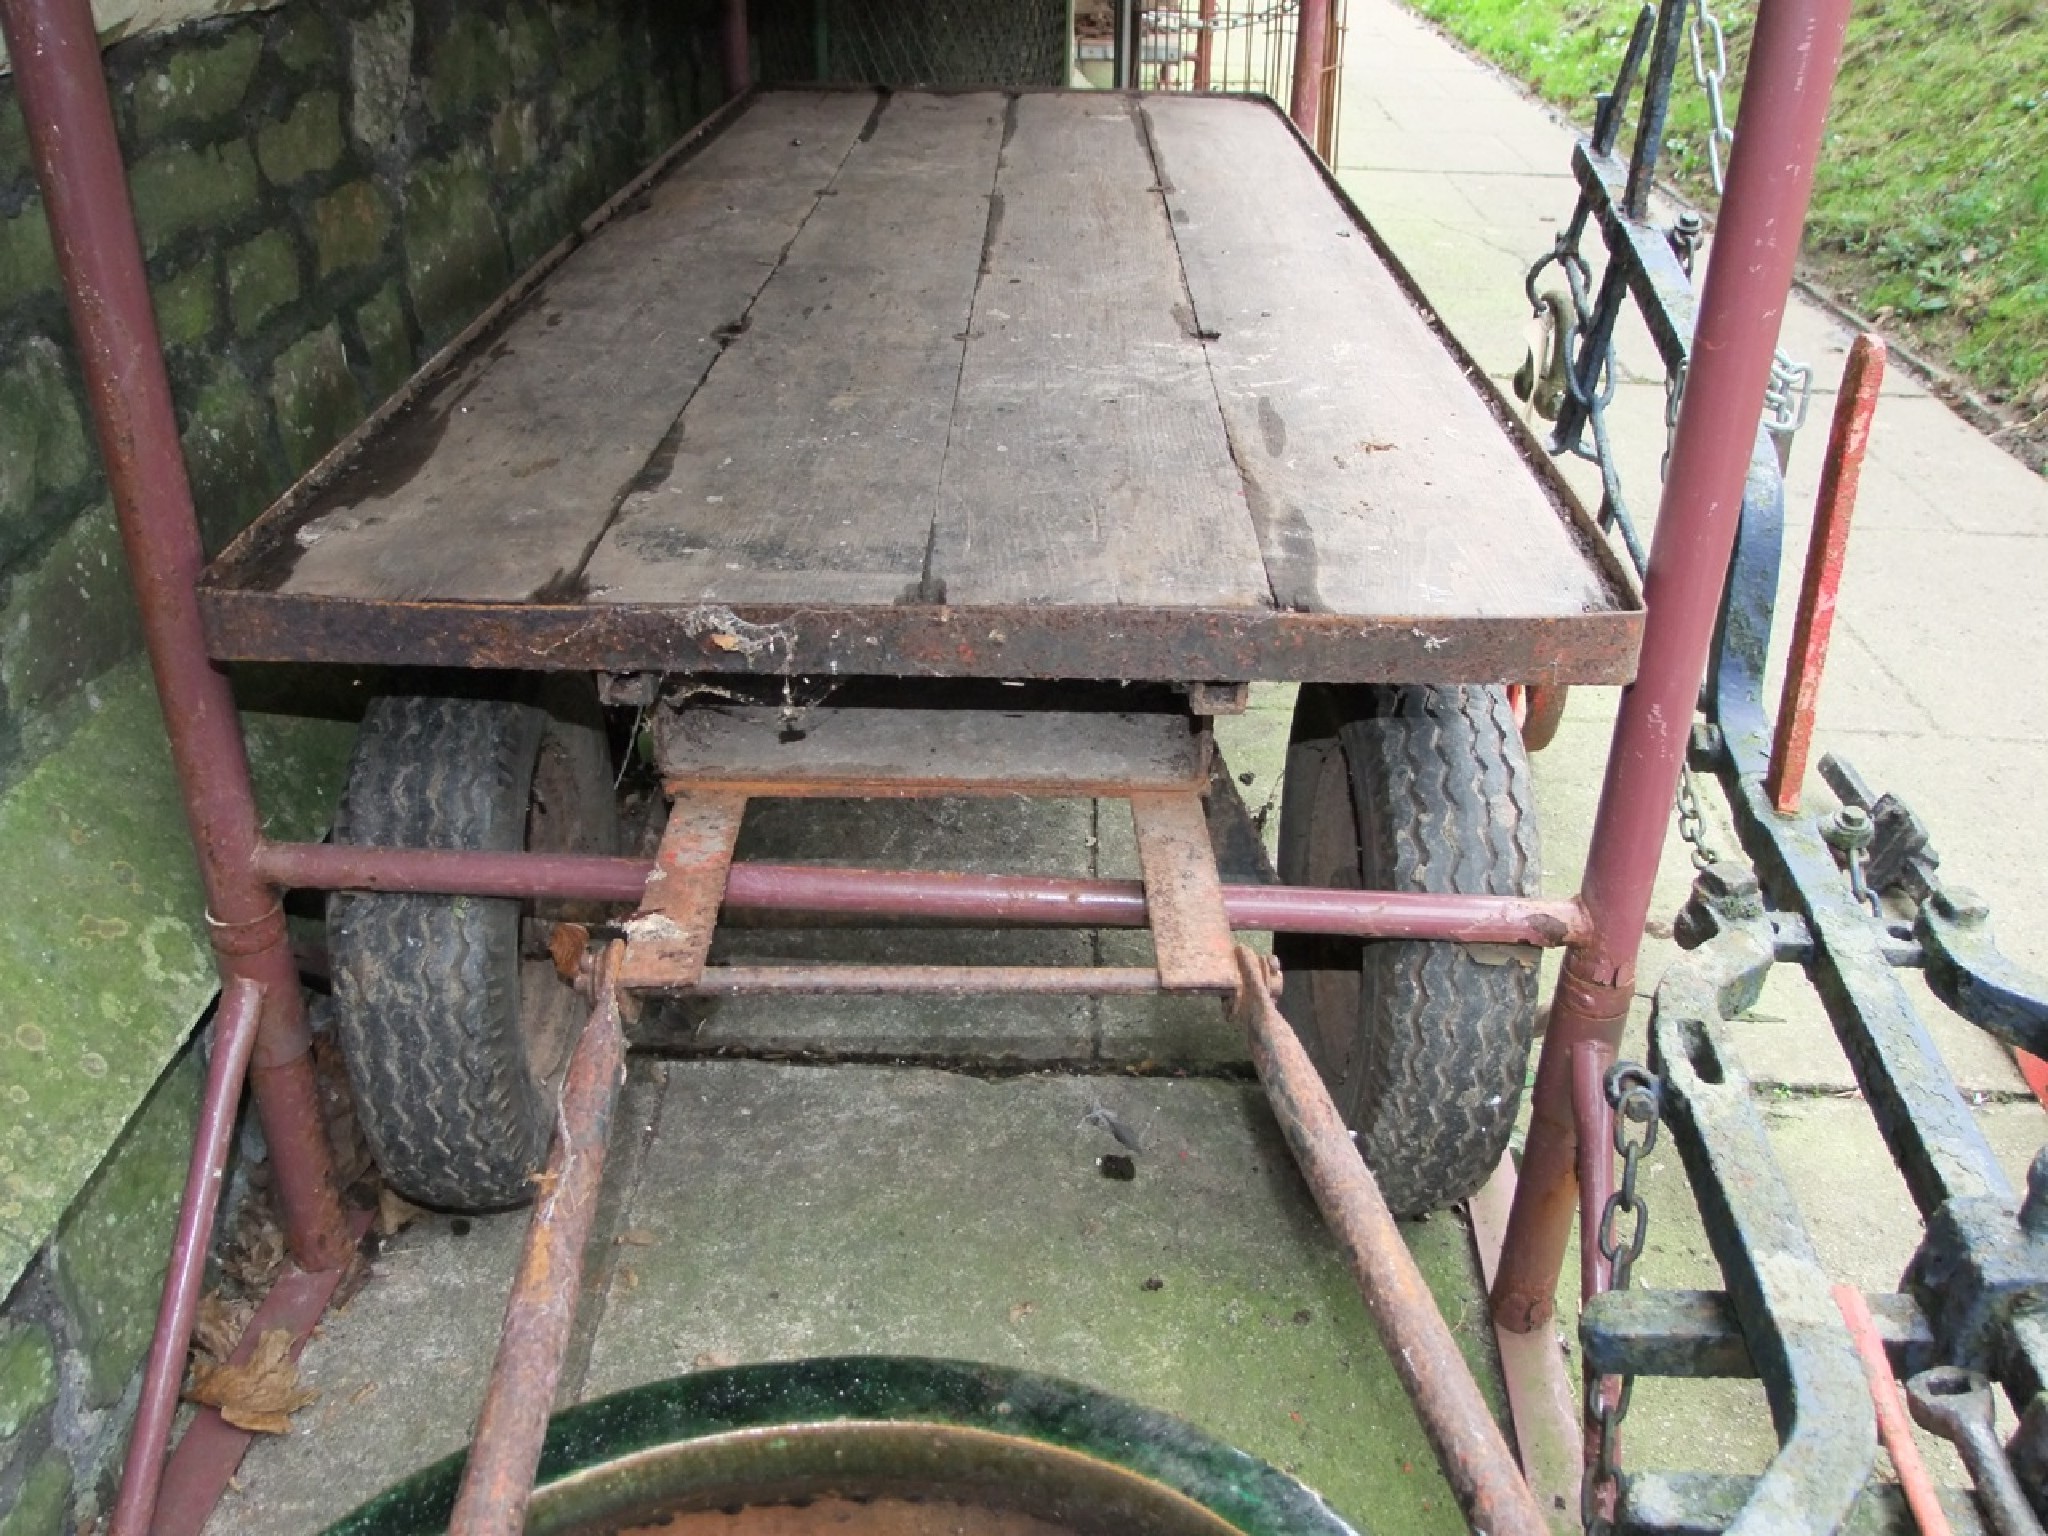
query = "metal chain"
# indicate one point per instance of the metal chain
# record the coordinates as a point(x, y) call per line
point(1692, 826)
point(1632, 1090)
point(1701, 25)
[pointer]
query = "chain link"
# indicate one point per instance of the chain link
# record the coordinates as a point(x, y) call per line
point(1692, 826)
point(1701, 25)
point(1633, 1092)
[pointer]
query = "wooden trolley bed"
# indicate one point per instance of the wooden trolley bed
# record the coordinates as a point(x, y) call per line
point(981, 385)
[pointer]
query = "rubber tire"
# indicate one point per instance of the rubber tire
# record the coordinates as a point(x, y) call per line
point(1424, 1045)
point(453, 1030)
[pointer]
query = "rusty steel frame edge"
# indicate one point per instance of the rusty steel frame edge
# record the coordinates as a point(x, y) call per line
point(1796, 48)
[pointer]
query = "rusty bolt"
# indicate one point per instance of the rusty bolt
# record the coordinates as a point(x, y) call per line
point(1849, 829)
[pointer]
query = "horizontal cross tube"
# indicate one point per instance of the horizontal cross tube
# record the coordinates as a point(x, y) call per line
point(930, 896)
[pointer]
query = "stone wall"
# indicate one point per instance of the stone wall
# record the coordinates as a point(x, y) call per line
point(326, 192)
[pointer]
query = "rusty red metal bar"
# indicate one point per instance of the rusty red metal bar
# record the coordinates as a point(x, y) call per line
point(498, 1482)
point(1827, 552)
point(1205, 44)
point(234, 1039)
point(739, 64)
point(1894, 1429)
point(1311, 44)
point(1795, 49)
point(929, 896)
point(77, 160)
point(1468, 1443)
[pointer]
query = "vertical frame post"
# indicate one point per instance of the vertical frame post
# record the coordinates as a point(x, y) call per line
point(85, 191)
point(1311, 42)
point(1793, 57)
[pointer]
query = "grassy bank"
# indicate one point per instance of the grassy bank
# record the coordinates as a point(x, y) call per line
point(1931, 204)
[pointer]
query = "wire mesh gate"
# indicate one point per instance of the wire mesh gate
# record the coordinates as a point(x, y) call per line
point(914, 42)
point(1239, 45)
point(1186, 45)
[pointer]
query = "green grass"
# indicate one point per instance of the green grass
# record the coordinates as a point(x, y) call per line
point(1930, 209)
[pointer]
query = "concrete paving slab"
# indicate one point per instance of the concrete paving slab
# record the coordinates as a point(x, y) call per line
point(400, 1373)
point(1925, 606)
point(792, 1211)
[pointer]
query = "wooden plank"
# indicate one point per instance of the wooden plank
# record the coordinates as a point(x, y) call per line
point(1379, 481)
point(496, 485)
point(878, 751)
point(808, 466)
point(1088, 460)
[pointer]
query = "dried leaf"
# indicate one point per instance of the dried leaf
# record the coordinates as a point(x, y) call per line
point(394, 1212)
point(218, 1327)
point(362, 1394)
point(629, 1278)
point(259, 1395)
point(712, 1360)
point(255, 1256)
point(1022, 1310)
point(725, 642)
point(566, 945)
point(635, 1237)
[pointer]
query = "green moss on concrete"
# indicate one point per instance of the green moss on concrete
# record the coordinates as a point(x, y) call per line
point(228, 456)
point(929, 1213)
point(455, 259)
point(181, 189)
point(349, 227)
point(28, 262)
point(303, 144)
point(70, 616)
point(386, 340)
point(43, 450)
point(529, 40)
point(196, 85)
point(380, 74)
point(103, 957)
point(28, 1377)
point(316, 397)
point(263, 277)
point(14, 161)
point(302, 39)
point(188, 303)
point(469, 66)
point(108, 1261)
point(44, 1505)
point(515, 136)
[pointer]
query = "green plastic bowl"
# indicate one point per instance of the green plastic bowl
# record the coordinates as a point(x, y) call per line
point(875, 1444)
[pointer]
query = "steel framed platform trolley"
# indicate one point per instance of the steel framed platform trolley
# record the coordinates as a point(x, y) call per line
point(914, 443)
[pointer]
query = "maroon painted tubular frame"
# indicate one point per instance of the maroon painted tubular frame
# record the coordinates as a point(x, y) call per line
point(1793, 57)
point(930, 896)
point(234, 1040)
point(1311, 45)
point(77, 158)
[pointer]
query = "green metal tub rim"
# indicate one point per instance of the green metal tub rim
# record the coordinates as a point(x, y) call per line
point(878, 1426)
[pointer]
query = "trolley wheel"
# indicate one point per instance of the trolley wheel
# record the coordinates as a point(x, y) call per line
point(452, 1018)
point(1423, 1044)
point(1539, 710)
